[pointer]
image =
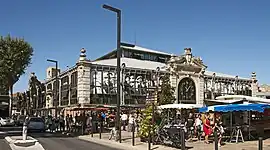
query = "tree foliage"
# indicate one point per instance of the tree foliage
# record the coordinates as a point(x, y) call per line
point(146, 125)
point(16, 55)
point(166, 96)
point(3, 85)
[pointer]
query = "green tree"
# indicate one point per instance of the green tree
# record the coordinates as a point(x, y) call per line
point(16, 55)
point(166, 96)
point(146, 125)
point(3, 85)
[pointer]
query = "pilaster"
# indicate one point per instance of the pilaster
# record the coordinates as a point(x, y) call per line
point(69, 91)
point(83, 83)
point(173, 82)
point(200, 99)
point(84, 72)
point(59, 92)
point(254, 84)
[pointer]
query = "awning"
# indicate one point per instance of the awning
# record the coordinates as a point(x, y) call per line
point(4, 103)
point(225, 101)
point(235, 107)
point(250, 99)
point(180, 106)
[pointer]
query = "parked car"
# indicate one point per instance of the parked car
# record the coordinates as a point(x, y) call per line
point(36, 124)
point(20, 120)
point(5, 121)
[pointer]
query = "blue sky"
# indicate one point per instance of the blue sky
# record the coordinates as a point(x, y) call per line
point(231, 36)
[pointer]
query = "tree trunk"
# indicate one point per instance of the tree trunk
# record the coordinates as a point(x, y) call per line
point(10, 100)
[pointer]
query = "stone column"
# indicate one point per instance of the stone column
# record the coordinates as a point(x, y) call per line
point(254, 84)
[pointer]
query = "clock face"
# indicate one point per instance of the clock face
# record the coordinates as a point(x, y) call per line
point(187, 91)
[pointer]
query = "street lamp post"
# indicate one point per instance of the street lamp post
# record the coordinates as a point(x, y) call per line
point(56, 80)
point(119, 52)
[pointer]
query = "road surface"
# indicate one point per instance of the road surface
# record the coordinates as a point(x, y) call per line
point(8, 131)
point(68, 143)
point(51, 141)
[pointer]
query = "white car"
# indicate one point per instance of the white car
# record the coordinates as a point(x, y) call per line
point(5, 121)
point(36, 124)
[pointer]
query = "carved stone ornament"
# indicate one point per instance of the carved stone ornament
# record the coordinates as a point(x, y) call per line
point(186, 62)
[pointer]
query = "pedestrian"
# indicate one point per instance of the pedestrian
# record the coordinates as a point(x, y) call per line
point(67, 123)
point(89, 124)
point(71, 123)
point(131, 123)
point(62, 123)
point(219, 128)
point(124, 119)
point(50, 123)
point(198, 126)
point(56, 123)
point(207, 129)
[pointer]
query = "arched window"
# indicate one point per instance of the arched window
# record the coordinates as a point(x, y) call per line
point(187, 91)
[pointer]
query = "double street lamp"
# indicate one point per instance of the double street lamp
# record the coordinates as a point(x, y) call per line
point(119, 52)
point(56, 84)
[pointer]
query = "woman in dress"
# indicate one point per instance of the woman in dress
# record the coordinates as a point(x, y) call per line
point(207, 129)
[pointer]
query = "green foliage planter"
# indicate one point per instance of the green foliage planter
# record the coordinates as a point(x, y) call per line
point(146, 125)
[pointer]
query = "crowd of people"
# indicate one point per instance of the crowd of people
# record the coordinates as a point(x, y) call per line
point(202, 126)
point(89, 121)
point(199, 126)
point(196, 125)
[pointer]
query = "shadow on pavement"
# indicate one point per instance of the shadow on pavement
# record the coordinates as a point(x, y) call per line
point(50, 135)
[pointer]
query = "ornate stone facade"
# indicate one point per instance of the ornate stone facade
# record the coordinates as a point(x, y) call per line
point(94, 82)
point(183, 67)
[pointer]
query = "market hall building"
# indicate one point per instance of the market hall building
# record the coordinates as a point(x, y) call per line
point(90, 83)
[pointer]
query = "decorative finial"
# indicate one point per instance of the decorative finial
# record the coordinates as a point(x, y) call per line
point(187, 51)
point(188, 55)
point(83, 51)
point(253, 76)
point(83, 55)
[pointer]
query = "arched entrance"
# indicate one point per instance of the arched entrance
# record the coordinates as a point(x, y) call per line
point(187, 91)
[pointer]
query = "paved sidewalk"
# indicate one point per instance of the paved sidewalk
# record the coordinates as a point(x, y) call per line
point(198, 145)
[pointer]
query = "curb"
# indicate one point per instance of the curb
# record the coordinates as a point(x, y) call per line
point(8, 139)
point(111, 143)
point(13, 144)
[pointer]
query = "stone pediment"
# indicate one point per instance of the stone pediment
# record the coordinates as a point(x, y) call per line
point(186, 62)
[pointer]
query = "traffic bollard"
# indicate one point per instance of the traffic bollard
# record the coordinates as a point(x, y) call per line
point(149, 140)
point(260, 143)
point(133, 134)
point(216, 139)
point(82, 129)
point(183, 144)
point(100, 126)
point(92, 130)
